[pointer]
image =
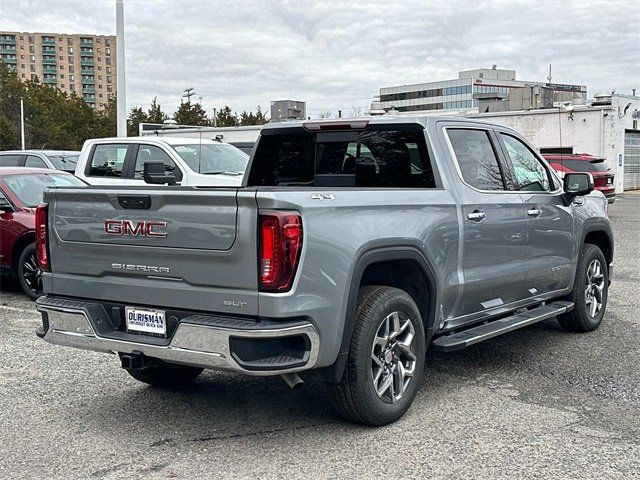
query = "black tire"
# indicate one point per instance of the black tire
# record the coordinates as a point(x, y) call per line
point(581, 318)
point(355, 397)
point(165, 375)
point(29, 273)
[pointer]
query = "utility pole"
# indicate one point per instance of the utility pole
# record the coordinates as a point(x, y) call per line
point(22, 120)
point(121, 113)
point(188, 93)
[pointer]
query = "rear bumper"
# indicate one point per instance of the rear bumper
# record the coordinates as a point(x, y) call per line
point(198, 340)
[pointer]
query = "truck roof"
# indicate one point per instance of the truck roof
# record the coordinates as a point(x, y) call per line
point(424, 120)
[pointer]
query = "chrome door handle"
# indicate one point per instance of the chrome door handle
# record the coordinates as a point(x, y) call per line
point(476, 216)
point(534, 212)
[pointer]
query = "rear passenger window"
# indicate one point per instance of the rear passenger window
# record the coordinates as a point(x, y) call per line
point(476, 158)
point(33, 161)
point(107, 160)
point(372, 158)
point(9, 160)
point(151, 153)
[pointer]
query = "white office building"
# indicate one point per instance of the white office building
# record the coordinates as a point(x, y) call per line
point(461, 93)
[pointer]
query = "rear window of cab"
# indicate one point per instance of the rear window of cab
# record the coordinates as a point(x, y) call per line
point(392, 157)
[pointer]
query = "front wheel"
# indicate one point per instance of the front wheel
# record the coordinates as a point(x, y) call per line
point(29, 273)
point(386, 358)
point(590, 292)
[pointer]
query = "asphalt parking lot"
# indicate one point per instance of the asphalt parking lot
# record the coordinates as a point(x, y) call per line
point(537, 403)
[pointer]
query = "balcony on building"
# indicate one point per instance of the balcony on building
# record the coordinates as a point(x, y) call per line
point(8, 39)
point(87, 62)
point(49, 60)
point(86, 42)
point(50, 41)
point(9, 60)
point(50, 80)
point(7, 49)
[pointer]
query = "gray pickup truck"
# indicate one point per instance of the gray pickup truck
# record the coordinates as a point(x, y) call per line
point(351, 248)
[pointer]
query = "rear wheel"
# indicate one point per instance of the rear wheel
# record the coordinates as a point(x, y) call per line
point(590, 292)
point(386, 358)
point(165, 375)
point(29, 273)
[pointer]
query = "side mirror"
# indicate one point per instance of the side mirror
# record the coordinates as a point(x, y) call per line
point(5, 205)
point(577, 184)
point(155, 172)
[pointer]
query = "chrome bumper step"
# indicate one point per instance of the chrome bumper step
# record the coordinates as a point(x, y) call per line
point(466, 338)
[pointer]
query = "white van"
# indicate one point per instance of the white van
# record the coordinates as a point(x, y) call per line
point(120, 161)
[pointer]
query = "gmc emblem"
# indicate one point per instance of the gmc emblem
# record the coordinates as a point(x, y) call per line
point(135, 229)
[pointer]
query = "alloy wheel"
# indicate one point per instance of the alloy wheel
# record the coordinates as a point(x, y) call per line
point(593, 294)
point(393, 360)
point(32, 274)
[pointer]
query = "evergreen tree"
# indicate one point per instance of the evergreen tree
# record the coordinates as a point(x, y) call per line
point(155, 113)
point(190, 114)
point(225, 118)
point(136, 117)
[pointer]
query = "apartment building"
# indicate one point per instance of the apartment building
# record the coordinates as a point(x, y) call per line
point(79, 64)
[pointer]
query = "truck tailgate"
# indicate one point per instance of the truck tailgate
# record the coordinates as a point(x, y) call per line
point(172, 247)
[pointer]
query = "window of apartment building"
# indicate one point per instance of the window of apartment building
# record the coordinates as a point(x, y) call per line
point(109, 88)
point(61, 49)
point(70, 59)
point(62, 85)
point(99, 77)
point(100, 95)
point(99, 85)
point(22, 57)
point(22, 66)
point(108, 79)
point(72, 87)
point(108, 60)
point(99, 50)
point(21, 37)
point(107, 42)
point(69, 49)
point(72, 77)
point(32, 68)
point(21, 47)
point(32, 49)
point(60, 38)
point(69, 41)
point(33, 76)
point(23, 75)
point(31, 39)
point(99, 59)
point(62, 75)
point(61, 67)
point(99, 68)
point(70, 68)
point(108, 50)
point(32, 58)
point(108, 69)
point(61, 57)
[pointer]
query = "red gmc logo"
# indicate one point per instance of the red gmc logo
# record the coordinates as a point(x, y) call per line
point(135, 229)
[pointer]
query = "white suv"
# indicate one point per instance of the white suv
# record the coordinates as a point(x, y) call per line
point(120, 161)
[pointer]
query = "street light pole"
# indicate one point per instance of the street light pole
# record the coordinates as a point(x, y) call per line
point(22, 121)
point(121, 113)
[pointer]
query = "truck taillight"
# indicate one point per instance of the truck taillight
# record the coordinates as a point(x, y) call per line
point(279, 249)
point(42, 248)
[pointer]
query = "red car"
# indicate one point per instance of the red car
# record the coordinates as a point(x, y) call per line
point(20, 192)
point(582, 162)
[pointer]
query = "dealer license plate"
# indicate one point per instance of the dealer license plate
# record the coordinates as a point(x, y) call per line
point(609, 181)
point(146, 320)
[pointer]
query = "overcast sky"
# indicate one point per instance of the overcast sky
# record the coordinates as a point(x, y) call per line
point(336, 55)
